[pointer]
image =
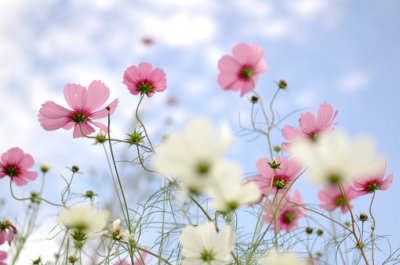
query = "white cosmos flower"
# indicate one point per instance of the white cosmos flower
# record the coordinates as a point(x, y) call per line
point(202, 245)
point(275, 258)
point(83, 222)
point(193, 154)
point(337, 159)
point(118, 232)
point(228, 191)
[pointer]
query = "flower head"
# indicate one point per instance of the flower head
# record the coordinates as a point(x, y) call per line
point(143, 79)
point(331, 197)
point(15, 164)
point(288, 213)
point(203, 245)
point(276, 258)
point(279, 176)
point(228, 191)
point(7, 232)
point(117, 232)
point(83, 223)
point(194, 154)
point(86, 106)
point(311, 127)
point(336, 159)
point(241, 71)
point(373, 183)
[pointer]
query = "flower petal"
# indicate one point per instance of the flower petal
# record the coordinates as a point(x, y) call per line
point(75, 95)
point(97, 95)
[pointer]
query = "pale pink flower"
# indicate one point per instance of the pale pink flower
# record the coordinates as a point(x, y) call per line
point(7, 232)
point(144, 79)
point(139, 260)
point(373, 183)
point(286, 171)
point(86, 106)
point(288, 212)
point(3, 257)
point(310, 126)
point(241, 71)
point(332, 197)
point(15, 164)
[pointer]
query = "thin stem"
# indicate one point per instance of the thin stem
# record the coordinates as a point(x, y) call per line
point(372, 229)
point(141, 123)
point(30, 198)
point(359, 245)
point(127, 220)
point(154, 255)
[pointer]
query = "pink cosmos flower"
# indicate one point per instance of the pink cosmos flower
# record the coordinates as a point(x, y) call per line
point(373, 183)
point(3, 257)
point(288, 214)
point(137, 262)
point(15, 164)
point(7, 232)
point(144, 79)
point(86, 106)
point(332, 197)
point(310, 126)
point(241, 71)
point(281, 177)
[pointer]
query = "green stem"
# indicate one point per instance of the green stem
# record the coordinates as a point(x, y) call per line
point(372, 229)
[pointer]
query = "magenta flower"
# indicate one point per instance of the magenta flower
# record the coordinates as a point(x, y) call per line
point(15, 164)
point(332, 197)
point(3, 257)
point(289, 212)
point(144, 79)
point(7, 232)
point(241, 71)
point(373, 183)
point(86, 106)
point(280, 171)
point(310, 126)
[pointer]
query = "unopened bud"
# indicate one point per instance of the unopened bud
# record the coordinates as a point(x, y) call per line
point(309, 230)
point(363, 217)
point(44, 168)
point(282, 84)
point(75, 169)
point(254, 99)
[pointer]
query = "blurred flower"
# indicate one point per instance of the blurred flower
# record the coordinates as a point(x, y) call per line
point(147, 41)
point(373, 183)
point(332, 197)
point(203, 245)
point(281, 177)
point(3, 257)
point(275, 258)
point(241, 71)
point(288, 212)
point(336, 159)
point(144, 79)
point(15, 164)
point(7, 232)
point(310, 126)
point(117, 231)
point(194, 154)
point(85, 104)
point(228, 192)
point(83, 222)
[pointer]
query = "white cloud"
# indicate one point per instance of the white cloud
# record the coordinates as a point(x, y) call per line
point(355, 81)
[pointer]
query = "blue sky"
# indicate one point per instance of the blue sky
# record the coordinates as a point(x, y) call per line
point(342, 52)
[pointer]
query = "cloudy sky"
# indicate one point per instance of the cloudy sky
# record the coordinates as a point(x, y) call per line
point(342, 52)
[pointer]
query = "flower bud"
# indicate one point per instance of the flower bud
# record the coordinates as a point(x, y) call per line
point(72, 259)
point(277, 148)
point(44, 168)
point(363, 217)
point(100, 138)
point(75, 169)
point(254, 99)
point(320, 232)
point(309, 230)
point(282, 84)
